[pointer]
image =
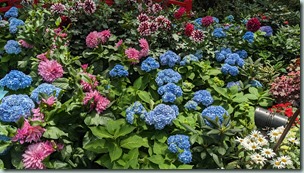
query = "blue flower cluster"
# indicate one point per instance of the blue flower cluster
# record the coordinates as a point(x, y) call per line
point(191, 105)
point(242, 53)
point(44, 88)
point(222, 54)
point(215, 19)
point(231, 84)
point(161, 116)
point(15, 106)
point(119, 71)
point(15, 80)
point(249, 36)
point(234, 59)
point(12, 47)
point(267, 29)
point(149, 64)
point(198, 21)
point(167, 76)
point(187, 59)
point(14, 24)
point(230, 18)
point(228, 69)
point(170, 92)
point(214, 111)
point(169, 58)
point(0, 17)
point(12, 12)
point(219, 33)
point(199, 54)
point(138, 109)
point(180, 144)
point(256, 83)
point(204, 97)
point(4, 138)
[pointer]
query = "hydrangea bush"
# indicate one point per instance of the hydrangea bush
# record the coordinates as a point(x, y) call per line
point(138, 87)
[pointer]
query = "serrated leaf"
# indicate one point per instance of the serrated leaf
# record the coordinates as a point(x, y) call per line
point(144, 96)
point(134, 141)
point(114, 152)
point(54, 133)
point(254, 91)
point(124, 130)
point(96, 146)
point(157, 159)
point(100, 132)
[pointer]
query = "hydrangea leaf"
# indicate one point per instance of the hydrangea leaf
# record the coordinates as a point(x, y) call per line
point(2, 92)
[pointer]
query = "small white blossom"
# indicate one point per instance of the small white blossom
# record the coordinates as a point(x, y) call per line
point(277, 164)
point(285, 160)
point(253, 146)
point(258, 159)
point(294, 140)
point(268, 152)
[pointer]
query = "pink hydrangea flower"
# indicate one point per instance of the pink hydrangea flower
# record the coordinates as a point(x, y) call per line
point(36, 153)
point(104, 36)
point(92, 40)
point(50, 70)
point(84, 67)
point(143, 43)
point(37, 115)
point(89, 85)
point(25, 44)
point(208, 20)
point(132, 54)
point(49, 101)
point(42, 56)
point(119, 43)
point(96, 101)
point(28, 133)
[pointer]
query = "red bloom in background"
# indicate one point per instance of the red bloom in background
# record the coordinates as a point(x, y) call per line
point(283, 108)
point(253, 24)
point(286, 22)
point(189, 28)
point(65, 21)
point(208, 20)
point(179, 13)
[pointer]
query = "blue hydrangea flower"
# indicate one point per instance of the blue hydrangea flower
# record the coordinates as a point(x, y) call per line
point(138, 109)
point(219, 56)
point(167, 76)
point(249, 36)
point(12, 47)
point(187, 59)
point(228, 69)
point(149, 64)
point(215, 19)
point(232, 58)
point(161, 116)
point(203, 96)
point(4, 138)
point(180, 141)
point(12, 12)
point(256, 83)
point(244, 21)
point(14, 106)
point(15, 80)
point(14, 24)
point(240, 62)
point(118, 71)
point(230, 18)
point(267, 29)
point(219, 33)
point(185, 157)
point(191, 105)
point(214, 111)
point(170, 92)
point(44, 88)
point(231, 84)
point(198, 21)
point(199, 54)
point(242, 53)
point(169, 58)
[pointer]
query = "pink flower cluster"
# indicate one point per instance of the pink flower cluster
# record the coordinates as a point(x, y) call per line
point(180, 12)
point(50, 70)
point(28, 133)
point(95, 38)
point(49, 101)
point(135, 55)
point(24, 44)
point(206, 21)
point(36, 153)
point(89, 85)
point(148, 26)
point(37, 115)
point(96, 100)
point(58, 8)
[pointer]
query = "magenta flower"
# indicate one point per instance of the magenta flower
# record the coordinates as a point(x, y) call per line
point(84, 67)
point(36, 153)
point(25, 44)
point(96, 101)
point(50, 101)
point(104, 36)
point(119, 43)
point(28, 133)
point(50, 70)
point(132, 54)
point(92, 40)
point(142, 17)
point(58, 8)
point(101, 104)
point(89, 6)
point(197, 36)
point(37, 115)
point(89, 85)
point(144, 28)
point(42, 56)
point(143, 43)
point(208, 20)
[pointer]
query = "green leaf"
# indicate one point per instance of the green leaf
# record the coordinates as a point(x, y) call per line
point(113, 126)
point(221, 91)
point(159, 148)
point(240, 99)
point(105, 161)
point(56, 164)
point(213, 132)
point(221, 150)
point(132, 158)
point(1, 165)
point(251, 96)
point(4, 146)
point(265, 103)
point(132, 142)
point(217, 160)
point(96, 119)
point(124, 130)
point(214, 72)
point(2, 92)
point(145, 96)
point(185, 167)
point(157, 159)
point(100, 132)
point(96, 146)
point(254, 91)
point(53, 132)
point(62, 83)
point(234, 89)
point(137, 83)
point(114, 151)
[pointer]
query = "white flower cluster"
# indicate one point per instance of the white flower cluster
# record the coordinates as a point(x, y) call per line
point(258, 147)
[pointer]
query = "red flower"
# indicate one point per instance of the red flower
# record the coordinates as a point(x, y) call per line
point(65, 21)
point(208, 20)
point(188, 29)
point(286, 22)
point(253, 24)
point(180, 12)
point(288, 112)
